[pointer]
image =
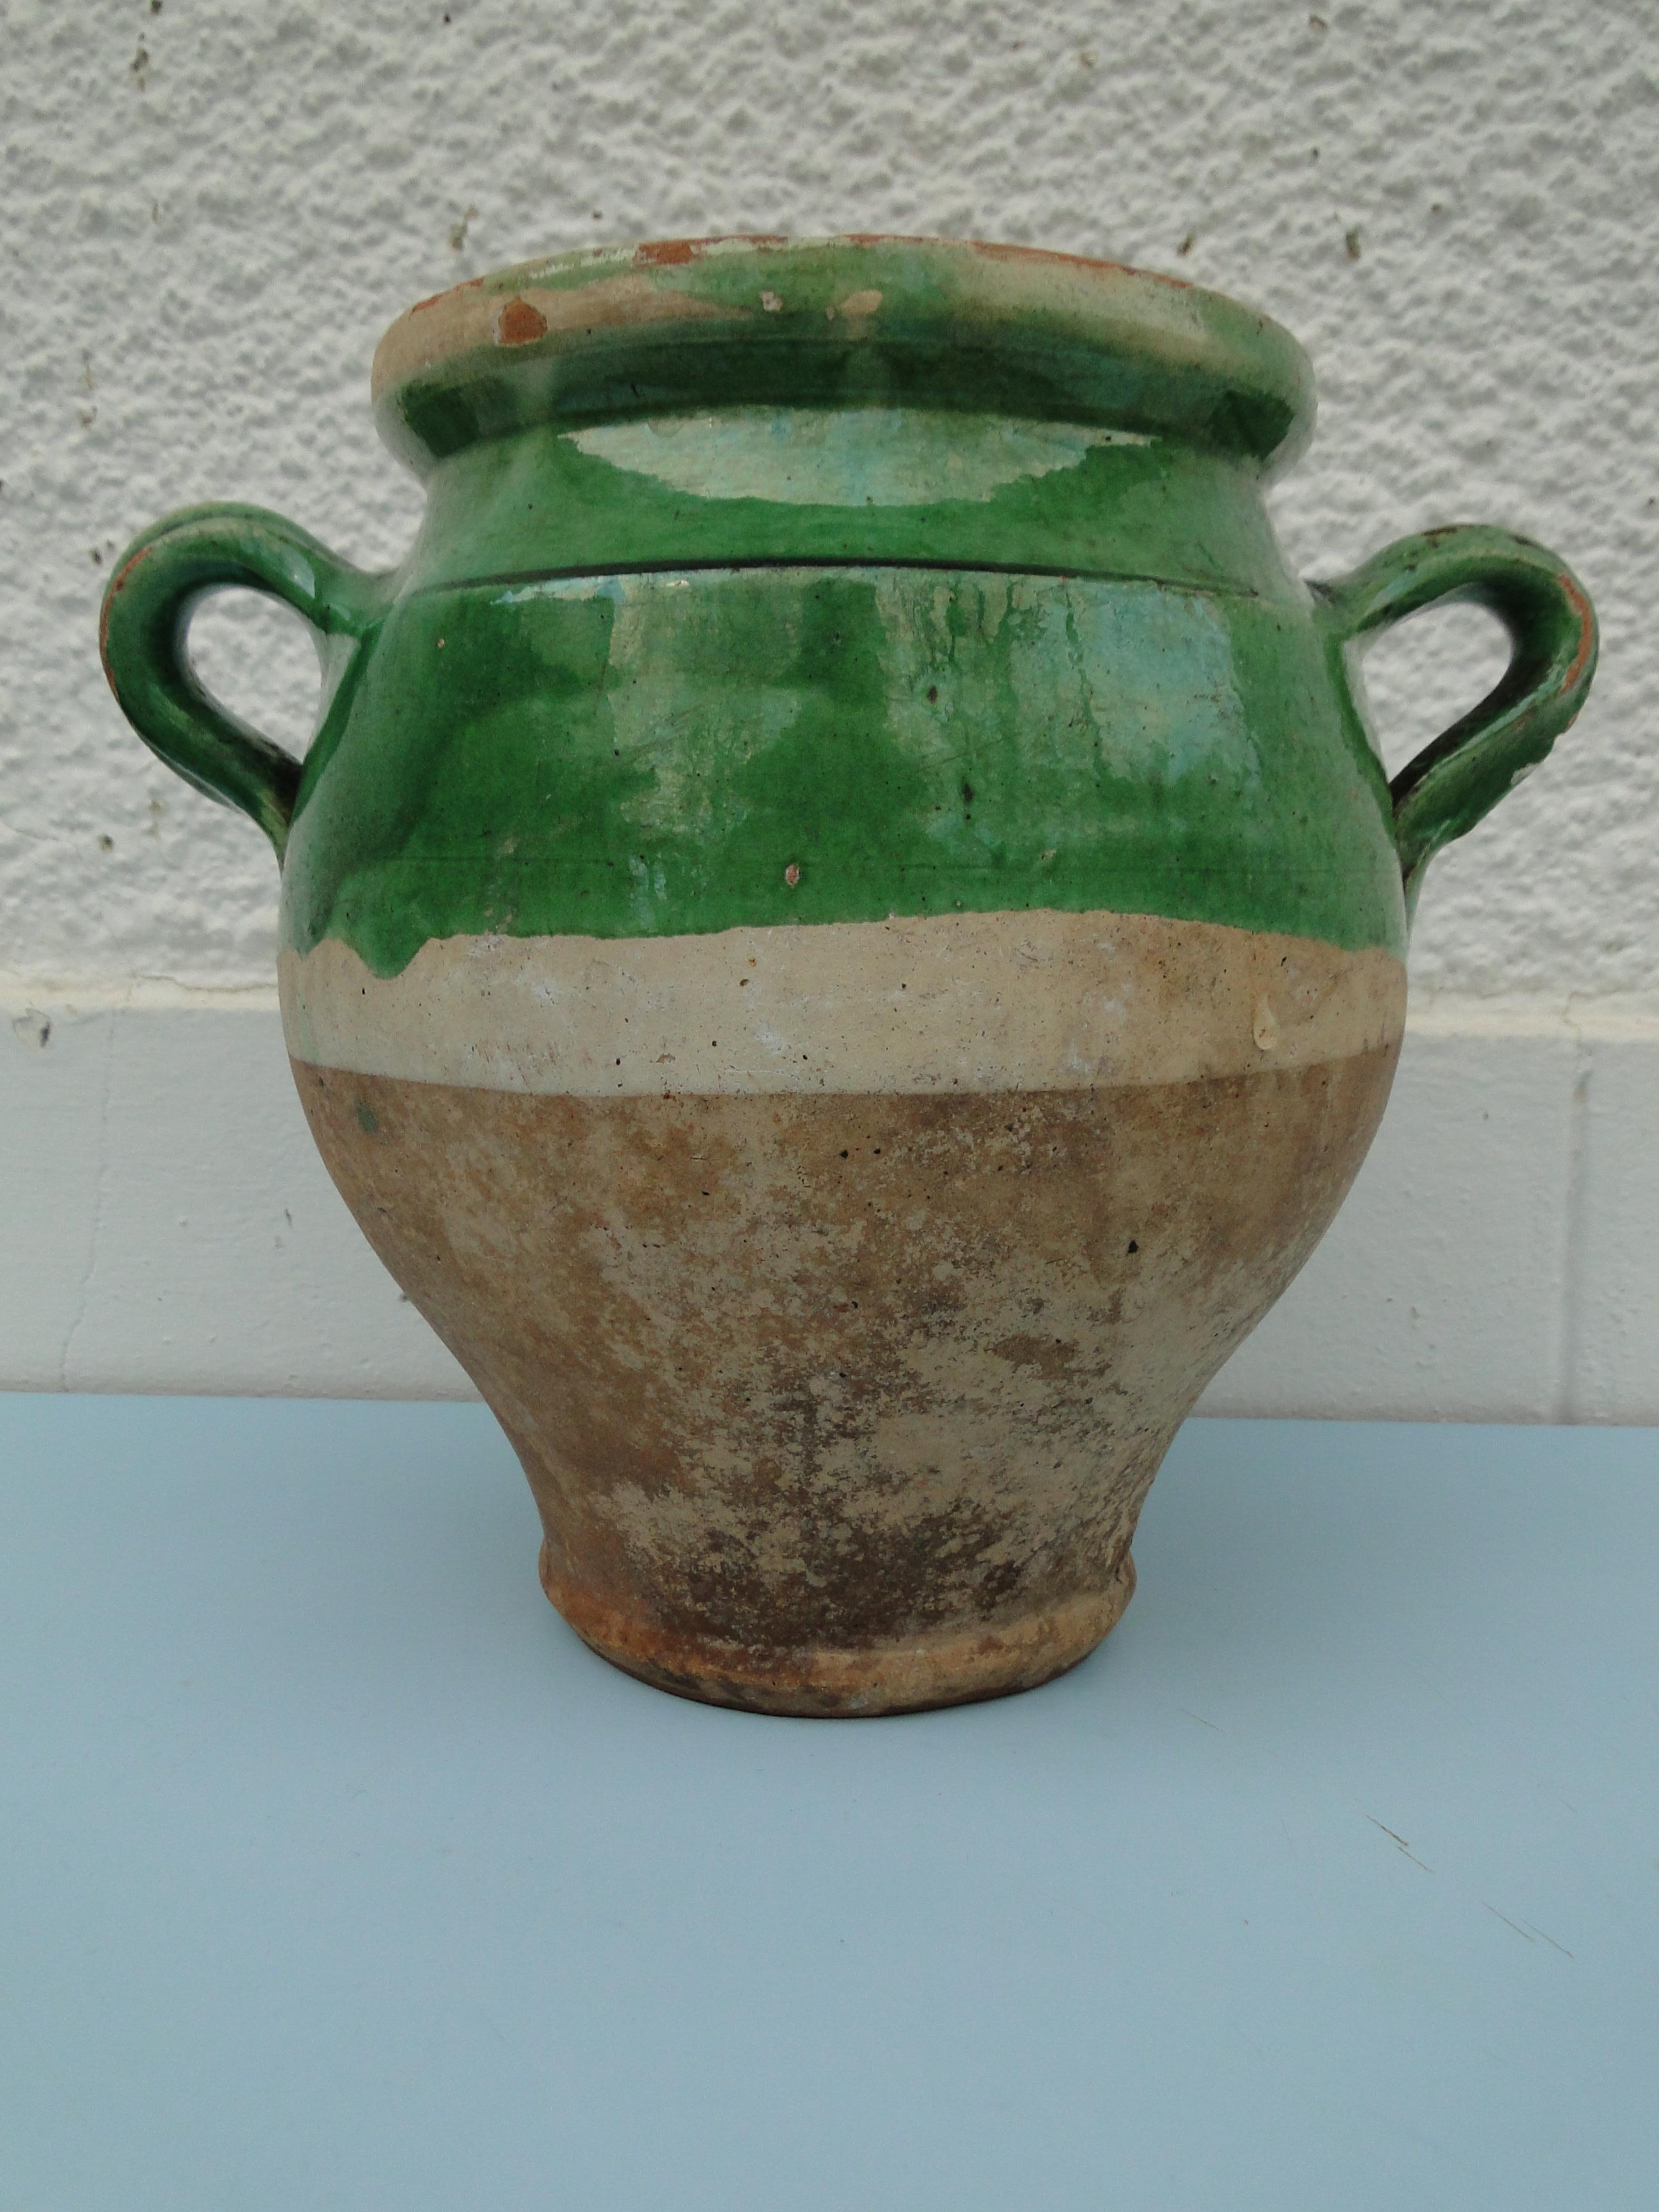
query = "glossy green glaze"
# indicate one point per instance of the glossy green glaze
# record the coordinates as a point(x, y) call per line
point(875, 485)
point(671, 752)
point(764, 584)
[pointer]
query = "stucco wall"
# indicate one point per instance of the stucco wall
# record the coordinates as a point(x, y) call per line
point(213, 209)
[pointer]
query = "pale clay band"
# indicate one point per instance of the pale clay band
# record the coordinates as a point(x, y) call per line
point(1027, 1001)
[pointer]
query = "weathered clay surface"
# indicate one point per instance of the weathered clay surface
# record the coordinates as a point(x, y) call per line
point(467, 317)
point(846, 1402)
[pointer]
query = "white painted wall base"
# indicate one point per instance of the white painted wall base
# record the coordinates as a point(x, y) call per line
point(169, 1227)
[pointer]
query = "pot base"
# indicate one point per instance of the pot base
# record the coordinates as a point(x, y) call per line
point(952, 1668)
point(843, 1401)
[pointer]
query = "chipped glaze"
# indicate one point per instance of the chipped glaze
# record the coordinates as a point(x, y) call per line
point(842, 929)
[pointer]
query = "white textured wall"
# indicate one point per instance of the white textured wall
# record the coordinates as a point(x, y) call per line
point(213, 207)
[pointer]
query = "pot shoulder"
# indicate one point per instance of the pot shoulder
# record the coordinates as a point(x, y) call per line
point(689, 751)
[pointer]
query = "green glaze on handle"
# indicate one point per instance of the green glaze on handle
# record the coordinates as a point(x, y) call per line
point(1464, 773)
point(161, 578)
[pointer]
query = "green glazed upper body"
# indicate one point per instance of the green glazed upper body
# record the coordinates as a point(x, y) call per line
point(677, 668)
point(765, 583)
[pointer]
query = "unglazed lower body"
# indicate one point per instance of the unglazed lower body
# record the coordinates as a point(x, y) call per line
point(836, 1398)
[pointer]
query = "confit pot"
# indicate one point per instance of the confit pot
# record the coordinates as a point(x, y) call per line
point(842, 930)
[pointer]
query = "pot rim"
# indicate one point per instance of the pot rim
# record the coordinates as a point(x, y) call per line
point(689, 324)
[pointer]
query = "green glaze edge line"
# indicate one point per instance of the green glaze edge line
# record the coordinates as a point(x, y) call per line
point(973, 1003)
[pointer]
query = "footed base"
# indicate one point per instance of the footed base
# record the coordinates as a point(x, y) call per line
point(949, 1668)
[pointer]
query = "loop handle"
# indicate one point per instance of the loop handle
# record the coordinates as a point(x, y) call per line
point(157, 586)
point(1464, 773)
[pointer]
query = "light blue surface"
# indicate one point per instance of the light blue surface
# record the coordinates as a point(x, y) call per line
point(337, 1874)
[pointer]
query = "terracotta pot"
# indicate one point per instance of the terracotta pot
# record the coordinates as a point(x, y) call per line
point(842, 930)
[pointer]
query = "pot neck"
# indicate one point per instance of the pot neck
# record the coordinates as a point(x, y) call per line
point(884, 486)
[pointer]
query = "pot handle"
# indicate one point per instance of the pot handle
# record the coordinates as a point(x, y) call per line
point(1464, 773)
point(157, 584)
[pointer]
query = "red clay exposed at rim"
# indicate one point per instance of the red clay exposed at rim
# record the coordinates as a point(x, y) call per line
point(951, 309)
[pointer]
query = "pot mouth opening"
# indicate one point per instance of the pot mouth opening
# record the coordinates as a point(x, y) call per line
point(686, 325)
